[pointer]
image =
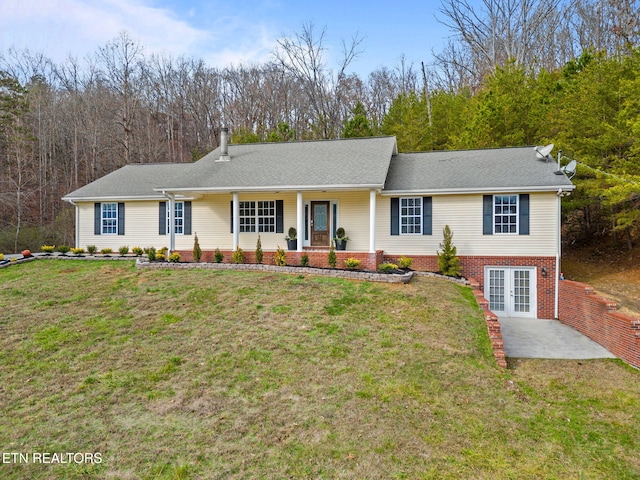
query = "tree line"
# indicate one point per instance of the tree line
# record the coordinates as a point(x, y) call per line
point(525, 72)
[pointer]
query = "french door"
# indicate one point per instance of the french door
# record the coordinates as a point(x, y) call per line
point(511, 291)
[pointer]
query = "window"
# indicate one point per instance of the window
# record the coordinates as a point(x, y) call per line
point(109, 219)
point(505, 213)
point(178, 218)
point(261, 214)
point(411, 215)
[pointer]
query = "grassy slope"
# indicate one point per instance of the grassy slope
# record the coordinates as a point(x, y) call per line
point(201, 374)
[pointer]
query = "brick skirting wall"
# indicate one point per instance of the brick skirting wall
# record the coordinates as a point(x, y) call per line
point(473, 267)
point(597, 318)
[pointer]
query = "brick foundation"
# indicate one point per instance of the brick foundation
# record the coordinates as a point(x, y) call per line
point(597, 318)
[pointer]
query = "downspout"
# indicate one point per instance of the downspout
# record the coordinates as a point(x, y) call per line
point(556, 300)
point(172, 220)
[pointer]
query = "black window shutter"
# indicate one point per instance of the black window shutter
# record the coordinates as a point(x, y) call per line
point(395, 216)
point(524, 214)
point(120, 218)
point(487, 214)
point(231, 221)
point(162, 219)
point(187, 218)
point(427, 215)
point(97, 218)
point(279, 216)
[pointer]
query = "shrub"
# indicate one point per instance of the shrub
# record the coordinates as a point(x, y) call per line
point(280, 257)
point(123, 250)
point(1, 257)
point(448, 261)
point(63, 249)
point(174, 257)
point(259, 252)
point(405, 262)
point(151, 253)
point(137, 251)
point(48, 248)
point(164, 251)
point(292, 234)
point(352, 263)
point(237, 256)
point(91, 249)
point(218, 256)
point(304, 260)
point(106, 251)
point(160, 257)
point(387, 267)
point(77, 251)
point(197, 251)
point(332, 260)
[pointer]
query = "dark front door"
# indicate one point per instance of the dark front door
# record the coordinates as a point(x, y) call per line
point(320, 224)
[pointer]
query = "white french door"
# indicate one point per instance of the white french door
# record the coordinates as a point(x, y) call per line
point(511, 291)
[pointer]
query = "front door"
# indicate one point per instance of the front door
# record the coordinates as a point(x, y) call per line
point(320, 224)
point(511, 291)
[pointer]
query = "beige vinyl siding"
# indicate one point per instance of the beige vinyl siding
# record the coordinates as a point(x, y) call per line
point(463, 214)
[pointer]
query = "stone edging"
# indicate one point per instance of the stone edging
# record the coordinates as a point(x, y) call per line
point(370, 276)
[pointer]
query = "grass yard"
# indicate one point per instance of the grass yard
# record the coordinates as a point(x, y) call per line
point(229, 375)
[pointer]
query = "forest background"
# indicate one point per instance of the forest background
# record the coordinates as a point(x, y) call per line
point(514, 73)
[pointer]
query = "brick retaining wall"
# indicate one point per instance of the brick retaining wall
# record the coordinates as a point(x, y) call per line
point(493, 325)
point(597, 318)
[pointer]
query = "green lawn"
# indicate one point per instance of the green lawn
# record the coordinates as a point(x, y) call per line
point(224, 374)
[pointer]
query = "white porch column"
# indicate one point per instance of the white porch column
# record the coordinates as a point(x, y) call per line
point(372, 221)
point(300, 220)
point(236, 221)
point(171, 205)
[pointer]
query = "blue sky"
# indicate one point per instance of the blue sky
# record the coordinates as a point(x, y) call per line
point(225, 32)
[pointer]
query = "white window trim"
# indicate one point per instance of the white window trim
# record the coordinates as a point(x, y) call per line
point(401, 216)
point(517, 214)
point(258, 220)
point(175, 218)
point(103, 219)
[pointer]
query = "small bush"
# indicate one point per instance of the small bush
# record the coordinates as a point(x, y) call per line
point(259, 252)
point(63, 249)
point(197, 251)
point(237, 256)
point(332, 259)
point(352, 263)
point(304, 260)
point(77, 251)
point(48, 248)
point(160, 257)
point(137, 251)
point(106, 251)
point(448, 261)
point(280, 257)
point(164, 251)
point(174, 257)
point(387, 267)
point(91, 249)
point(151, 253)
point(123, 250)
point(405, 262)
point(218, 256)
point(1, 257)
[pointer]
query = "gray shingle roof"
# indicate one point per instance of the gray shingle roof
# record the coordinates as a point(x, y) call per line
point(353, 163)
point(473, 170)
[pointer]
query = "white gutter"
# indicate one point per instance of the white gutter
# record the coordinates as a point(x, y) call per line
point(161, 196)
point(457, 191)
point(556, 301)
point(274, 188)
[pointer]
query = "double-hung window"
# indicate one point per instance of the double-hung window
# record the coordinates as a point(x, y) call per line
point(411, 215)
point(178, 218)
point(258, 216)
point(109, 219)
point(505, 213)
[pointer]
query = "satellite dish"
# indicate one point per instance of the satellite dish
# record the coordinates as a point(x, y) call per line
point(570, 169)
point(543, 152)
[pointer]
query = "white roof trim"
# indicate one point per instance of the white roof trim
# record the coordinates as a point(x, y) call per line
point(277, 188)
point(123, 198)
point(465, 191)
